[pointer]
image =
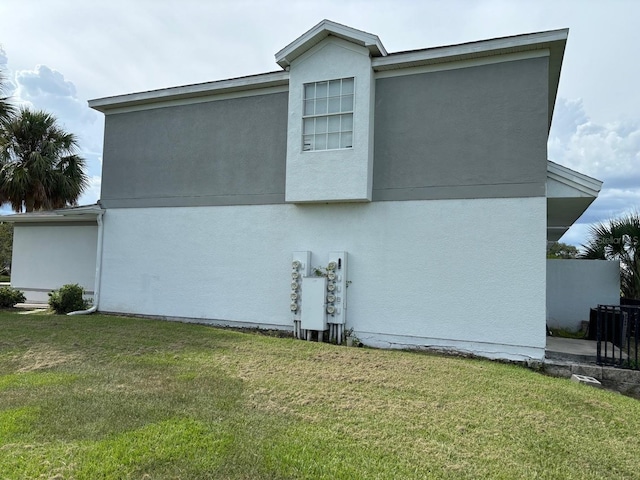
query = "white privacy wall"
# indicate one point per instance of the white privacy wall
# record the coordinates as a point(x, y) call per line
point(464, 274)
point(47, 257)
point(576, 286)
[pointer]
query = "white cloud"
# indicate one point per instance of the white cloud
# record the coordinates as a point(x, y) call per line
point(609, 152)
point(44, 88)
point(44, 81)
point(92, 193)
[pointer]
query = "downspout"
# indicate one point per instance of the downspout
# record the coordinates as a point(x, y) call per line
point(96, 289)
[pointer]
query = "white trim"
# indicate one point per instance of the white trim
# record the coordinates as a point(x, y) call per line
point(251, 83)
point(458, 64)
point(322, 30)
point(583, 183)
point(77, 214)
point(496, 46)
point(213, 97)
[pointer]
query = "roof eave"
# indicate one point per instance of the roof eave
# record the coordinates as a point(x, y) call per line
point(265, 80)
point(321, 31)
point(554, 41)
point(585, 184)
point(70, 215)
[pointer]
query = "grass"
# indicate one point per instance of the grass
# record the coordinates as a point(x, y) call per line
point(564, 333)
point(109, 397)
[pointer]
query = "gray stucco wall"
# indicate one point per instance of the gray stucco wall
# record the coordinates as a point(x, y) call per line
point(465, 133)
point(576, 286)
point(475, 132)
point(216, 153)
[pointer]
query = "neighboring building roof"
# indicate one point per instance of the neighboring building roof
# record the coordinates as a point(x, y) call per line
point(583, 185)
point(569, 194)
point(72, 214)
point(553, 41)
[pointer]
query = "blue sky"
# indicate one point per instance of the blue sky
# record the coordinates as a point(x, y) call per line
point(59, 54)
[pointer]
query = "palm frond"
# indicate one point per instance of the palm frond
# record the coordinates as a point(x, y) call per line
point(39, 165)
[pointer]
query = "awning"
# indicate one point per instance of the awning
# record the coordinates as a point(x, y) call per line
point(569, 194)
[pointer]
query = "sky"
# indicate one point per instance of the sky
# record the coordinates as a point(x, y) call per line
point(58, 54)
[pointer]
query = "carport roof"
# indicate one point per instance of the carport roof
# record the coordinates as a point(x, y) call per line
point(73, 214)
point(569, 194)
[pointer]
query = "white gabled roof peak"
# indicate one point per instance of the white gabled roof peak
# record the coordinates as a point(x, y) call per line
point(321, 31)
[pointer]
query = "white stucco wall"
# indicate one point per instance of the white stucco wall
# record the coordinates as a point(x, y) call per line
point(464, 274)
point(331, 175)
point(576, 286)
point(46, 257)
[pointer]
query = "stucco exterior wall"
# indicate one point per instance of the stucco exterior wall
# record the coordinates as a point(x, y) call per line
point(462, 133)
point(331, 175)
point(473, 132)
point(45, 257)
point(229, 151)
point(576, 286)
point(464, 274)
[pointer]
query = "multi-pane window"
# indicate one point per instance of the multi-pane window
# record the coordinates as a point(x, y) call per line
point(328, 115)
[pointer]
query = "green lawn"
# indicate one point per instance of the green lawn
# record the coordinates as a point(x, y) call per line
point(106, 397)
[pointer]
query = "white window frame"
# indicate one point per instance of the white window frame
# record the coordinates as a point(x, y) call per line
point(327, 114)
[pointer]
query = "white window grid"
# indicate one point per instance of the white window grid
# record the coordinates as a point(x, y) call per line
point(327, 122)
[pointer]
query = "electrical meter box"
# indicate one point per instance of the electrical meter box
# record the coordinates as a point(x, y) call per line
point(313, 304)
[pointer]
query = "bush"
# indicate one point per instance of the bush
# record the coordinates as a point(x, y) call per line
point(68, 298)
point(10, 296)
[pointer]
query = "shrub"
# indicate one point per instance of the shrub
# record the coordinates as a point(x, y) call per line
point(10, 296)
point(68, 298)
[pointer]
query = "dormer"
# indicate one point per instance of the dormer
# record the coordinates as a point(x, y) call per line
point(330, 125)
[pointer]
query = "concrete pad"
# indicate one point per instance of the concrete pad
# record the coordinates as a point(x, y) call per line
point(572, 345)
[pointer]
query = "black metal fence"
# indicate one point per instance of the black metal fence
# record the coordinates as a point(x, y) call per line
point(618, 331)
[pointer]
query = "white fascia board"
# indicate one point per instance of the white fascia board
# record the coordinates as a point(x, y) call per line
point(496, 46)
point(583, 183)
point(74, 214)
point(253, 82)
point(322, 30)
point(554, 41)
point(42, 218)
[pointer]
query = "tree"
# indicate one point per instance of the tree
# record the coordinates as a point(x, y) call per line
point(6, 109)
point(6, 247)
point(39, 169)
point(617, 239)
point(561, 250)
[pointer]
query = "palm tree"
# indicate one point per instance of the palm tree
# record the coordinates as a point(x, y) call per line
point(39, 168)
point(6, 109)
point(618, 239)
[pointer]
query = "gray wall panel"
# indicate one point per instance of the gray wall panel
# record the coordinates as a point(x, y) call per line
point(200, 154)
point(474, 132)
point(464, 133)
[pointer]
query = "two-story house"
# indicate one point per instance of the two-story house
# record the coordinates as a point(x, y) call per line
point(406, 196)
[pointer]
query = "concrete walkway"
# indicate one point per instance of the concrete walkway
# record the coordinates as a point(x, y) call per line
point(571, 349)
point(567, 356)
